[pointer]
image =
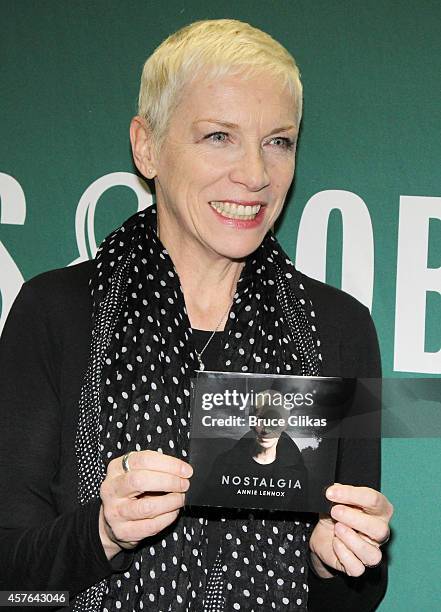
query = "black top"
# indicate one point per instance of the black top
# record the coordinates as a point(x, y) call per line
point(46, 540)
point(210, 355)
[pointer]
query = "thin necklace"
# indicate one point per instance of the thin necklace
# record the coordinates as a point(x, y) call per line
point(199, 355)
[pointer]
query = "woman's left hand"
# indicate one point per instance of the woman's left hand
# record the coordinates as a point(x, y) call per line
point(349, 539)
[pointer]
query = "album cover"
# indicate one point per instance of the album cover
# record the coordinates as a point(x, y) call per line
point(265, 441)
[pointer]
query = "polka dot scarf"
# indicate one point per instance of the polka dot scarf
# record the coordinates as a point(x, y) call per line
point(136, 396)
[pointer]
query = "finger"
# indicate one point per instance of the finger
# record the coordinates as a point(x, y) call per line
point(135, 482)
point(372, 501)
point(346, 560)
point(152, 460)
point(151, 506)
point(368, 554)
point(372, 526)
point(374, 542)
point(138, 530)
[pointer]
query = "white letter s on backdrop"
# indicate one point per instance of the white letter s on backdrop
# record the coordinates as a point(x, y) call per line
point(12, 212)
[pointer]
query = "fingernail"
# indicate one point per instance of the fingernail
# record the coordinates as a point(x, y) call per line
point(337, 511)
point(332, 493)
point(186, 470)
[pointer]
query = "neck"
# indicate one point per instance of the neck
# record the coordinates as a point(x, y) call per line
point(208, 280)
point(267, 455)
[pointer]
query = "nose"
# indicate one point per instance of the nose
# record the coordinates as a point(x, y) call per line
point(250, 170)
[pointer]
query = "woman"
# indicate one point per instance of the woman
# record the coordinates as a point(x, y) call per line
point(198, 281)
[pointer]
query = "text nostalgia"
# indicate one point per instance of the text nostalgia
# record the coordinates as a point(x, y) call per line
point(257, 485)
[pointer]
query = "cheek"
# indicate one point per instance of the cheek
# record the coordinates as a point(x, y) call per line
point(210, 172)
point(282, 176)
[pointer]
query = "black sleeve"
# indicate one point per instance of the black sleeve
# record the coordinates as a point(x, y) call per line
point(359, 464)
point(359, 461)
point(39, 548)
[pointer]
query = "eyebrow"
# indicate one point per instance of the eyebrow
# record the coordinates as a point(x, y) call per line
point(233, 126)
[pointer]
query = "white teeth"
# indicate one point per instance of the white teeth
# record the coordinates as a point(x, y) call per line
point(236, 211)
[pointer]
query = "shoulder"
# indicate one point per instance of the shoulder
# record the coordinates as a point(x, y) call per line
point(235, 454)
point(288, 449)
point(62, 292)
point(334, 306)
point(47, 332)
point(55, 303)
point(70, 282)
point(346, 331)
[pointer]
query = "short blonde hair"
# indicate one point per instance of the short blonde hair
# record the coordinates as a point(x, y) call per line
point(213, 48)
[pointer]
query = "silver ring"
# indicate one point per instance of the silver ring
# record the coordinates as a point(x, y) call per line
point(125, 462)
point(372, 566)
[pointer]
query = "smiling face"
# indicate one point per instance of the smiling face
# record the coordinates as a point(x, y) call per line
point(226, 164)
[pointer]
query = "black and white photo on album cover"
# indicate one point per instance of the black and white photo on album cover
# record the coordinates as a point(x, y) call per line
point(265, 441)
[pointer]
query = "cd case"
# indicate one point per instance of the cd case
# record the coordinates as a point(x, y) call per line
point(265, 441)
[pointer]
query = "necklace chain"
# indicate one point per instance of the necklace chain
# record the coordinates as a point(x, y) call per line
point(199, 354)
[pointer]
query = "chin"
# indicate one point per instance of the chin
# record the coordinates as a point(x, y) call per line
point(238, 248)
point(266, 444)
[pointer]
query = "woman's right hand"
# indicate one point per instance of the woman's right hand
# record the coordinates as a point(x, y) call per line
point(142, 502)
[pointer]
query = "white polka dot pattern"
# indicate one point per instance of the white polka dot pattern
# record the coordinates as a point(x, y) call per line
point(136, 395)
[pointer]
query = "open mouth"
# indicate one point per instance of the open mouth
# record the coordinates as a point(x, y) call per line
point(231, 210)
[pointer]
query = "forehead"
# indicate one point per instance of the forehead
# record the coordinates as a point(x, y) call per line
point(243, 100)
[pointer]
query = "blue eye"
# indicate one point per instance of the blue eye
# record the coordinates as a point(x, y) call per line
point(217, 137)
point(283, 143)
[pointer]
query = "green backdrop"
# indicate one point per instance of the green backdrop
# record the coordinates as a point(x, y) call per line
point(366, 200)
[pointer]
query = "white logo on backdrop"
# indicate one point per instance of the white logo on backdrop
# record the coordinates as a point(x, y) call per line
point(414, 281)
point(12, 212)
point(357, 272)
point(85, 215)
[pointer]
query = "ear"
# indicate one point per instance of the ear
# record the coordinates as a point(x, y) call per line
point(141, 139)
